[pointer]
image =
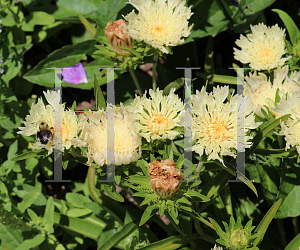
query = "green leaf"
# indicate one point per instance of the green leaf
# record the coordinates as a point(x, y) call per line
point(10, 238)
point(261, 134)
point(162, 207)
point(28, 199)
point(177, 84)
point(172, 210)
point(110, 189)
point(31, 243)
point(107, 11)
point(195, 195)
point(218, 229)
point(90, 227)
point(125, 232)
point(30, 154)
point(48, 215)
point(67, 56)
point(77, 200)
point(294, 244)
point(99, 98)
point(78, 212)
point(149, 198)
point(37, 18)
point(292, 28)
point(218, 78)
point(265, 222)
point(90, 27)
point(148, 213)
point(173, 242)
point(290, 205)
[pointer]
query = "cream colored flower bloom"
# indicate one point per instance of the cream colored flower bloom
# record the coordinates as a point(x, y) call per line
point(262, 92)
point(263, 48)
point(214, 123)
point(41, 114)
point(217, 248)
point(290, 129)
point(159, 23)
point(127, 146)
point(156, 117)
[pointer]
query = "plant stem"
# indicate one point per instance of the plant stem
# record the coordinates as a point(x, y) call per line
point(96, 195)
point(136, 82)
point(154, 71)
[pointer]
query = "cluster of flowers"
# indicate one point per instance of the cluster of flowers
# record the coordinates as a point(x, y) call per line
point(264, 49)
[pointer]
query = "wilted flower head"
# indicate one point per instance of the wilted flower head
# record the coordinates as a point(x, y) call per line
point(156, 117)
point(159, 23)
point(41, 120)
point(94, 132)
point(262, 92)
point(290, 129)
point(214, 123)
point(165, 177)
point(263, 48)
point(116, 34)
point(74, 74)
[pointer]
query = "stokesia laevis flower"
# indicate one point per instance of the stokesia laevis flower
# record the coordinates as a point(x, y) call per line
point(127, 146)
point(156, 117)
point(41, 118)
point(214, 123)
point(165, 177)
point(291, 127)
point(74, 74)
point(116, 34)
point(263, 49)
point(159, 23)
point(262, 92)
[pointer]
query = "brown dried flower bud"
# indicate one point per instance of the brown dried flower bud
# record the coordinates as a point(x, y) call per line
point(117, 35)
point(165, 177)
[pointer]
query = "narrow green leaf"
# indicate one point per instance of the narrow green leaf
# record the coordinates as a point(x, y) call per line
point(117, 237)
point(90, 227)
point(173, 212)
point(31, 243)
point(194, 194)
point(198, 217)
point(30, 154)
point(148, 213)
point(149, 198)
point(162, 207)
point(90, 27)
point(177, 84)
point(78, 212)
point(99, 98)
point(261, 134)
point(28, 199)
point(111, 190)
point(48, 215)
point(292, 28)
point(294, 244)
point(219, 78)
point(265, 222)
point(173, 242)
point(218, 229)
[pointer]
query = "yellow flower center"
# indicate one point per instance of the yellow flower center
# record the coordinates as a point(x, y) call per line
point(157, 30)
point(158, 122)
point(65, 132)
point(217, 129)
point(265, 53)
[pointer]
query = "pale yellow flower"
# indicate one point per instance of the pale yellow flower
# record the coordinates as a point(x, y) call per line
point(290, 129)
point(262, 91)
point(159, 23)
point(157, 116)
point(127, 146)
point(214, 123)
point(263, 49)
point(44, 114)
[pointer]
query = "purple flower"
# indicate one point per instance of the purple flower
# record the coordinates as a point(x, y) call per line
point(74, 74)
